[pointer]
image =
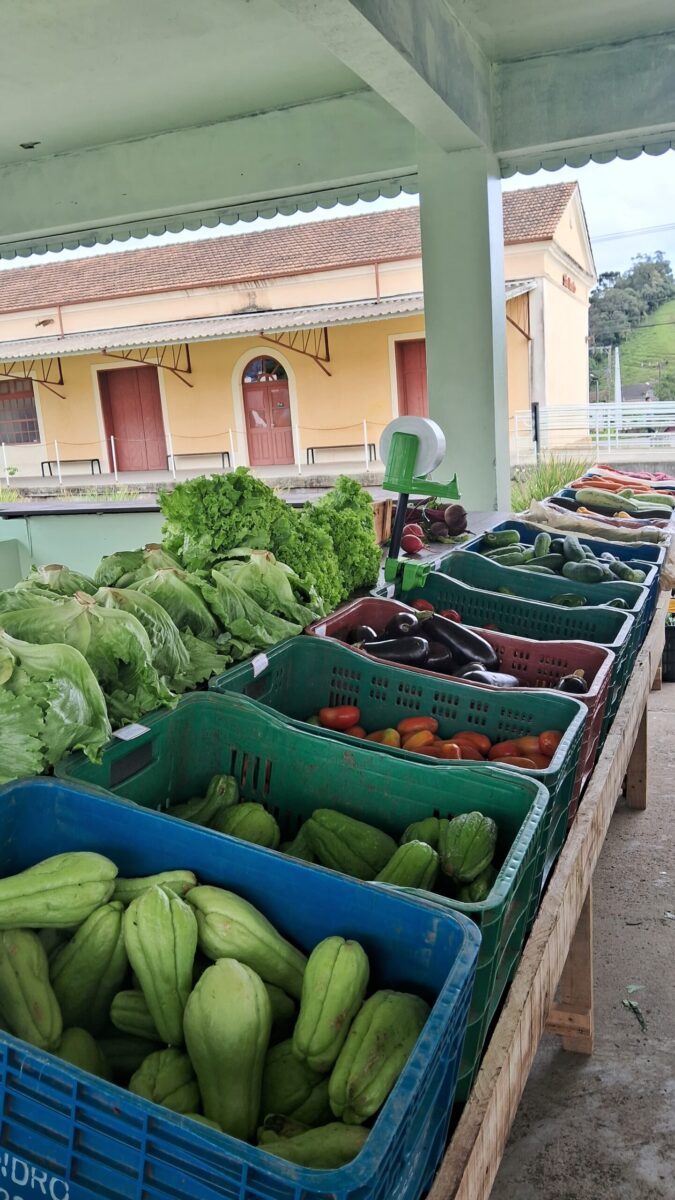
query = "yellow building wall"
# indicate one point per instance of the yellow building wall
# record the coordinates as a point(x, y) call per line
point(518, 368)
point(327, 409)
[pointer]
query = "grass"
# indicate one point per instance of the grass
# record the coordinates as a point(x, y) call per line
point(649, 345)
point(9, 495)
point(543, 479)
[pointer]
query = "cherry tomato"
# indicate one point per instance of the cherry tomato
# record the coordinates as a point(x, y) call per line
point(541, 761)
point(385, 737)
point(423, 737)
point(450, 750)
point(416, 724)
point(356, 731)
point(503, 749)
point(528, 745)
point(345, 716)
point(549, 742)
point(479, 740)
point(451, 614)
point(515, 760)
point(423, 606)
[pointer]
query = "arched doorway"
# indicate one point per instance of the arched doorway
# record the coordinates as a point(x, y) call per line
point(267, 411)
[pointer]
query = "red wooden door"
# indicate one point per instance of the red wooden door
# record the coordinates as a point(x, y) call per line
point(268, 422)
point(132, 414)
point(411, 378)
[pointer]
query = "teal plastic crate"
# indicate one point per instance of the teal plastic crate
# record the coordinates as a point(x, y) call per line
point(292, 773)
point(534, 619)
point(485, 573)
point(306, 674)
point(68, 1135)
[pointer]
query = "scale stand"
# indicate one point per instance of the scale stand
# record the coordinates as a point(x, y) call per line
point(411, 448)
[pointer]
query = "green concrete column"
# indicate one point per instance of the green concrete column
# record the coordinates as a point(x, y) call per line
point(465, 319)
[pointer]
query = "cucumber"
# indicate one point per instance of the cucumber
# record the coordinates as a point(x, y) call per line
point(569, 600)
point(536, 568)
point(542, 544)
point(553, 561)
point(617, 602)
point(584, 572)
point(572, 549)
point(556, 546)
point(501, 537)
point(515, 558)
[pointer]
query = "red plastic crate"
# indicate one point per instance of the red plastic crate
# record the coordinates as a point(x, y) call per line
point(538, 664)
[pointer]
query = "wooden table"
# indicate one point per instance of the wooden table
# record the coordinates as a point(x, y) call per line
point(553, 986)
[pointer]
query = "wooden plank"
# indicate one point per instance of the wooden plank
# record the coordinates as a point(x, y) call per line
point(638, 768)
point(572, 1015)
point(472, 1159)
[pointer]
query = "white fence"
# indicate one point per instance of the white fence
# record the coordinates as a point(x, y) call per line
point(594, 427)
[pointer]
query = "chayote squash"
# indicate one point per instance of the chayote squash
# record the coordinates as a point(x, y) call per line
point(414, 865)
point(90, 968)
point(78, 1047)
point(125, 1054)
point(479, 889)
point(166, 1077)
point(28, 1005)
point(427, 831)
point(227, 1029)
point(223, 788)
point(467, 845)
point(348, 845)
point(324, 1149)
point(178, 882)
point(377, 1048)
point(251, 823)
point(284, 1010)
point(291, 1088)
point(335, 982)
point(60, 891)
point(300, 847)
point(129, 1013)
point(230, 927)
point(277, 1126)
point(204, 1121)
point(160, 931)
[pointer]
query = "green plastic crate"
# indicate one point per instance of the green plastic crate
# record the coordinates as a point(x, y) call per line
point(486, 573)
point(533, 619)
point(292, 773)
point(305, 674)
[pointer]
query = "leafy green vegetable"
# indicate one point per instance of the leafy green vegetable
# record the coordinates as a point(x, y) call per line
point(206, 517)
point(59, 682)
point(21, 725)
point(62, 620)
point(247, 626)
point(120, 656)
point(57, 578)
point(205, 661)
point(170, 657)
point(180, 594)
point(26, 597)
point(269, 583)
point(308, 550)
point(346, 513)
point(126, 567)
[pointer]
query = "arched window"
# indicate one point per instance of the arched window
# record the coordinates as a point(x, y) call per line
point(264, 370)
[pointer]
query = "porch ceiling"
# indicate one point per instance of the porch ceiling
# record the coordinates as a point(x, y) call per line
point(136, 118)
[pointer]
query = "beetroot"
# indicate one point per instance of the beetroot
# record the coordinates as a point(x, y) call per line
point(415, 530)
point(411, 544)
point(455, 518)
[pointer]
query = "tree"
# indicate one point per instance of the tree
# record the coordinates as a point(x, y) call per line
point(623, 299)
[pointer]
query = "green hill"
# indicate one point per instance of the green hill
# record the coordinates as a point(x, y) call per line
point(654, 342)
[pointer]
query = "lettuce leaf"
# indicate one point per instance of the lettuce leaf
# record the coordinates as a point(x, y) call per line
point(57, 578)
point(21, 727)
point(62, 620)
point(205, 660)
point(170, 657)
point(243, 620)
point(126, 567)
point(120, 655)
point(269, 583)
point(179, 593)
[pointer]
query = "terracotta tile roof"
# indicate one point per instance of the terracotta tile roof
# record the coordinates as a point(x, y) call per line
point(529, 215)
point(532, 214)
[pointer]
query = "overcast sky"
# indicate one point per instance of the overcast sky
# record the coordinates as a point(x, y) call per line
point(630, 208)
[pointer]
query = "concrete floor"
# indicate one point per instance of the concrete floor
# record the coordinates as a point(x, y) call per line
point(603, 1127)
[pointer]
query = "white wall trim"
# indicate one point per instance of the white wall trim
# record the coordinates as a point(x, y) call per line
point(416, 335)
point(95, 369)
point(237, 389)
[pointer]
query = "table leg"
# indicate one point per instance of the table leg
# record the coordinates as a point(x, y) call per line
point(571, 1016)
point(656, 686)
point(636, 775)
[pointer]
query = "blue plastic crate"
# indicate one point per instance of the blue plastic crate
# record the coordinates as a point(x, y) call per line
point(645, 552)
point(70, 1136)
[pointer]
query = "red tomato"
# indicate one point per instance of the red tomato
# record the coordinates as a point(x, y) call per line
point(515, 760)
point(451, 614)
point(549, 742)
point(450, 750)
point(479, 740)
point(423, 737)
point(345, 716)
point(423, 606)
point(356, 731)
point(433, 751)
point(503, 750)
point(528, 745)
point(469, 751)
point(385, 737)
point(541, 761)
point(416, 724)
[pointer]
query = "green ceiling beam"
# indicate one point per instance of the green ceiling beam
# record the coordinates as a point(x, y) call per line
point(417, 56)
point(202, 175)
point(606, 97)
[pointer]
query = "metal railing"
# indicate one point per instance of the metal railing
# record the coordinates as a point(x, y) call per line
point(600, 427)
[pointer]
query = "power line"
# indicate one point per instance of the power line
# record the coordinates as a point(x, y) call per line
point(624, 233)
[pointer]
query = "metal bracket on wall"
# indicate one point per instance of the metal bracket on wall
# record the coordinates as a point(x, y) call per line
point(45, 371)
point(313, 343)
point(175, 359)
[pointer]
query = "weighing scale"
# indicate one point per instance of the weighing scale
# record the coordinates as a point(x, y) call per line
point(411, 448)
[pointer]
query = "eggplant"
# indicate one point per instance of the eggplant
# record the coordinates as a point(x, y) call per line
point(496, 679)
point(404, 624)
point(460, 672)
point(440, 659)
point(408, 651)
point(464, 645)
point(361, 633)
point(575, 684)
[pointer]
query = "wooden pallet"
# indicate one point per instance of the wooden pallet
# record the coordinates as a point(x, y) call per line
point(553, 986)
